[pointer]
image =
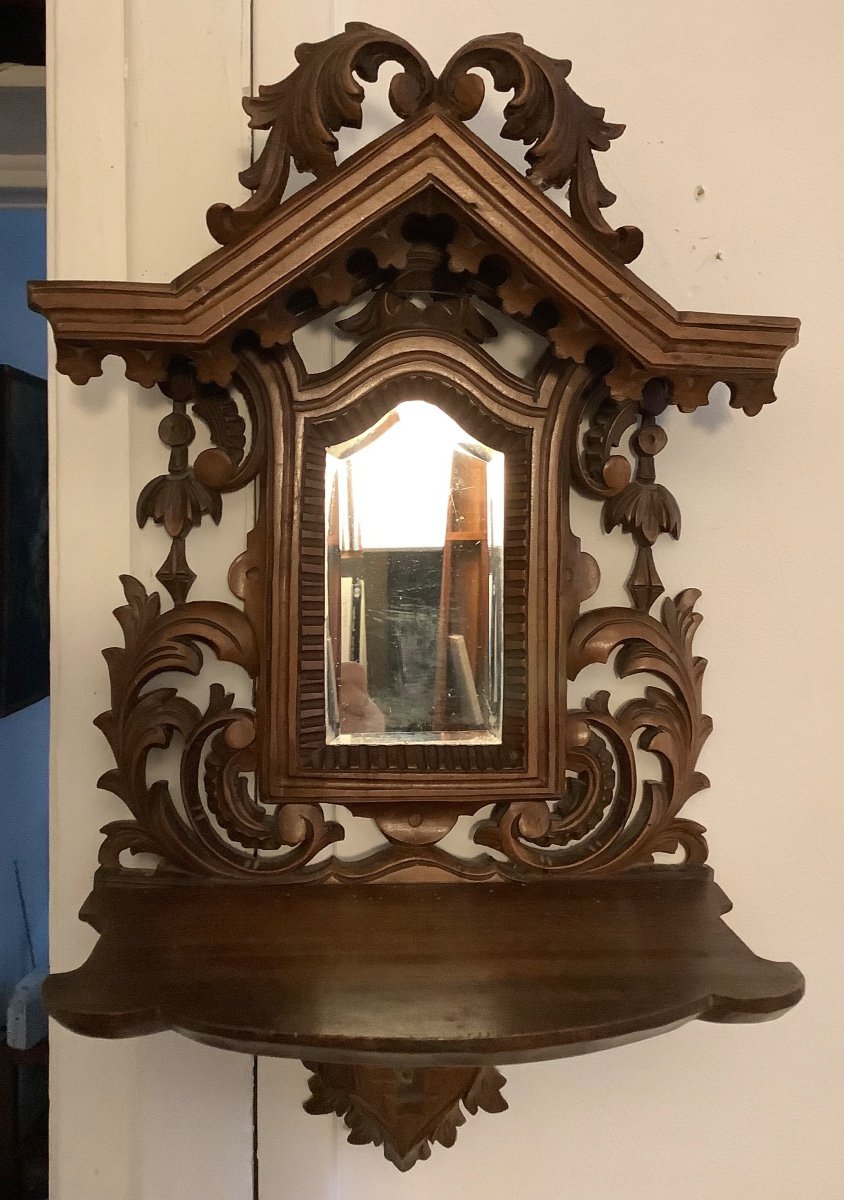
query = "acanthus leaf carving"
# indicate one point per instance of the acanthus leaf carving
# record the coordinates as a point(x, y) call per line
point(562, 131)
point(603, 825)
point(304, 112)
point(140, 721)
point(178, 502)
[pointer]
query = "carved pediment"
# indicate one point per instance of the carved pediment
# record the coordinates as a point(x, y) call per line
point(281, 264)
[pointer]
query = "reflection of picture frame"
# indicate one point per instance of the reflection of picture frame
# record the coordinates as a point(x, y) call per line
point(24, 575)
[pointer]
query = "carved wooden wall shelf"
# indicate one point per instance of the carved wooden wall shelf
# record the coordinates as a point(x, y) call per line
point(404, 977)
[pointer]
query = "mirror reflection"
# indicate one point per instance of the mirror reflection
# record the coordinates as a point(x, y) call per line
point(414, 582)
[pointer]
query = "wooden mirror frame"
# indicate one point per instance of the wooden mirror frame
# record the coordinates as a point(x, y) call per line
point(493, 409)
point(219, 941)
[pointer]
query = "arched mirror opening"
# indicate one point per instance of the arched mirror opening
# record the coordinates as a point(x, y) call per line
point(414, 583)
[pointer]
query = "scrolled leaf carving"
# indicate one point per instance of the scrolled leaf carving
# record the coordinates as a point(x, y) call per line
point(304, 111)
point(597, 472)
point(604, 825)
point(562, 131)
point(141, 720)
point(217, 408)
point(404, 1110)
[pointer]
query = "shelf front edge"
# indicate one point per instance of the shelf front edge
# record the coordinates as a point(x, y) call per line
point(417, 974)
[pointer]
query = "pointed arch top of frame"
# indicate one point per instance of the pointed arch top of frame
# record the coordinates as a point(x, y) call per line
point(275, 252)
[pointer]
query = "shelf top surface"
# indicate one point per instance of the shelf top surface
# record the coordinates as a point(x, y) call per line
point(419, 973)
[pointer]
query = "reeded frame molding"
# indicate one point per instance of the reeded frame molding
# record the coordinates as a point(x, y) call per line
point(514, 416)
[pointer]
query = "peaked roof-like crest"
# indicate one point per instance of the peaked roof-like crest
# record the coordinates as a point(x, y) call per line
point(282, 262)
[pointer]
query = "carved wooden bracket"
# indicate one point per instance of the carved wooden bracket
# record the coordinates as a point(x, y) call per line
point(404, 1110)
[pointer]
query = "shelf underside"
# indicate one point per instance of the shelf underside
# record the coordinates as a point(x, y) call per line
point(417, 974)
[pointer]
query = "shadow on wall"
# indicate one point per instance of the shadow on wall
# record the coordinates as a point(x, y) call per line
point(24, 739)
point(24, 735)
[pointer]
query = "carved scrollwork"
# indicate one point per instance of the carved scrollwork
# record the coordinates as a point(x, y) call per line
point(603, 824)
point(140, 721)
point(304, 111)
point(562, 131)
point(179, 500)
point(596, 471)
point(406, 1110)
point(230, 464)
point(633, 501)
point(386, 312)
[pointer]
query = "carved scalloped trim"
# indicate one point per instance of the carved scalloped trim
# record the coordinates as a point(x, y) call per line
point(80, 363)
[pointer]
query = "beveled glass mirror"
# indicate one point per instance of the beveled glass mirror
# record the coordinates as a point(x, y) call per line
point(414, 582)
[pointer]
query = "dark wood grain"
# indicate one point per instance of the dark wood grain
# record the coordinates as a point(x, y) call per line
point(399, 984)
point(418, 975)
point(229, 292)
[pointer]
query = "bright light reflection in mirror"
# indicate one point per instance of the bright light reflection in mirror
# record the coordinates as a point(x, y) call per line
point(414, 583)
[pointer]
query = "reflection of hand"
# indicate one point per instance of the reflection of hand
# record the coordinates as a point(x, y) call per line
point(358, 712)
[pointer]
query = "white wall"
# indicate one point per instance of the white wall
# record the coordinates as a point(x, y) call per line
point(745, 100)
